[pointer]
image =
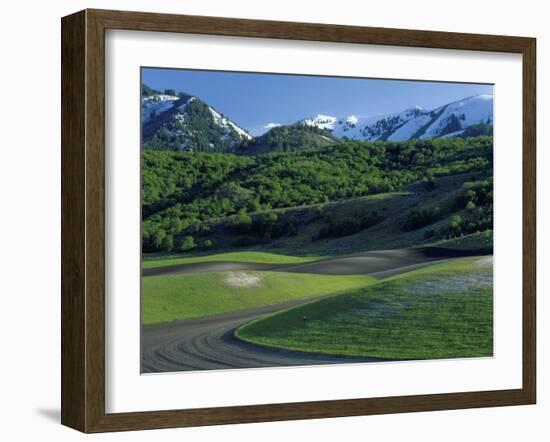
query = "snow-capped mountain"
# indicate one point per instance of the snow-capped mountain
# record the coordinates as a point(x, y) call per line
point(451, 119)
point(184, 122)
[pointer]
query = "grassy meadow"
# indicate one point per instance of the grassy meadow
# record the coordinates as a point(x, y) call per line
point(443, 311)
point(186, 296)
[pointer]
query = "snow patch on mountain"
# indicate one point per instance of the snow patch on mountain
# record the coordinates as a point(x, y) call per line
point(180, 115)
point(183, 106)
point(227, 125)
point(453, 134)
point(154, 105)
point(271, 125)
point(321, 121)
point(244, 134)
point(409, 128)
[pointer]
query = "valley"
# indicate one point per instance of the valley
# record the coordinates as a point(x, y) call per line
point(328, 240)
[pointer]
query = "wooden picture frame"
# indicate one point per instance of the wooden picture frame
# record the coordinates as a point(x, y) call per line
point(83, 220)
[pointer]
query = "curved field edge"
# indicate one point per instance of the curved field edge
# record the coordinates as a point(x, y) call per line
point(185, 296)
point(249, 256)
point(444, 311)
point(475, 243)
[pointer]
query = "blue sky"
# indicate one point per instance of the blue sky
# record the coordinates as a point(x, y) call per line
point(255, 100)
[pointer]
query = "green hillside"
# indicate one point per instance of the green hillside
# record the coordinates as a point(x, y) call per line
point(444, 311)
point(325, 200)
point(287, 138)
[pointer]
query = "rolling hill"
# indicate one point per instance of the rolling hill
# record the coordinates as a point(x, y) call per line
point(317, 199)
point(287, 138)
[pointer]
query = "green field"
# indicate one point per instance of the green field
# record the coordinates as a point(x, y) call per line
point(173, 297)
point(443, 311)
point(257, 257)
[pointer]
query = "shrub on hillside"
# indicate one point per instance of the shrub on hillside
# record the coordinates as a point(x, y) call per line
point(349, 226)
point(188, 243)
point(420, 218)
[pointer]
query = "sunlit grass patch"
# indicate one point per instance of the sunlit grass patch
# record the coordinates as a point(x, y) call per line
point(184, 296)
point(443, 311)
point(257, 257)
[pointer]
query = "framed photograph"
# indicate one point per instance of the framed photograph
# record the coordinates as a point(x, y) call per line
point(269, 220)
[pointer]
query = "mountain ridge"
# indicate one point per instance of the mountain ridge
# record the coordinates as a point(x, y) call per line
point(185, 122)
point(411, 123)
point(180, 121)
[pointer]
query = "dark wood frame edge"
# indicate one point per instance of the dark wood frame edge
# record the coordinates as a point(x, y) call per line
point(83, 215)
